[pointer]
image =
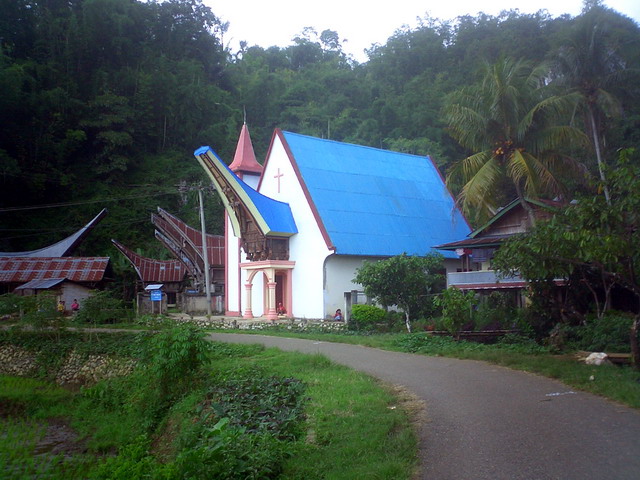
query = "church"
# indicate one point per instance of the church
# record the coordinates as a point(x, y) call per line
point(298, 226)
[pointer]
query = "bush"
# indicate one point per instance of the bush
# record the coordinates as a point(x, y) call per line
point(100, 308)
point(495, 312)
point(456, 308)
point(608, 334)
point(366, 317)
point(175, 355)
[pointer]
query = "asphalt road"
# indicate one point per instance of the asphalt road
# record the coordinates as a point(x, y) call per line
point(489, 422)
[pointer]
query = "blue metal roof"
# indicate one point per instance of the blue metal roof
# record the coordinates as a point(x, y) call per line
point(376, 202)
point(277, 214)
point(277, 217)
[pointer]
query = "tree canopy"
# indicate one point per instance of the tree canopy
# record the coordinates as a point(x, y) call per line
point(405, 281)
point(594, 242)
point(104, 101)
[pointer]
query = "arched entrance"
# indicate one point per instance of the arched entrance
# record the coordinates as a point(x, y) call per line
point(278, 286)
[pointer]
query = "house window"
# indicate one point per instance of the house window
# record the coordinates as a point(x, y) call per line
point(482, 254)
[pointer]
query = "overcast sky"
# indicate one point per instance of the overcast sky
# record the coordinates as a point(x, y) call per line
point(361, 23)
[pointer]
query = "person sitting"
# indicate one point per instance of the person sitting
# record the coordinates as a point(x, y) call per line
point(281, 309)
point(75, 306)
point(338, 316)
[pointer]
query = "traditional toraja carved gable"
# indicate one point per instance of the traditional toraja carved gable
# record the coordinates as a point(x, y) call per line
point(152, 270)
point(63, 248)
point(185, 243)
point(190, 238)
point(262, 224)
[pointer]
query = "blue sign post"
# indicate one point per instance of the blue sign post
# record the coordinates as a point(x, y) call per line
point(156, 295)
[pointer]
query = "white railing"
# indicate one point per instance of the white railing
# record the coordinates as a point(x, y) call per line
point(481, 277)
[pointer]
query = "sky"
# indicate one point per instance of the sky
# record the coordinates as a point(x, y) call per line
point(361, 23)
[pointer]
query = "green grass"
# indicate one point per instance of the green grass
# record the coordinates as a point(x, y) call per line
point(354, 428)
point(621, 384)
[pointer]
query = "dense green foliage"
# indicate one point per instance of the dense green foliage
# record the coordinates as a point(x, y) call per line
point(104, 102)
point(457, 308)
point(607, 334)
point(406, 281)
point(593, 243)
point(101, 307)
point(241, 415)
point(366, 317)
point(515, 137)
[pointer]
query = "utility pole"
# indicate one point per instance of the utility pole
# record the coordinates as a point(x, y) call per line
point(205, 254)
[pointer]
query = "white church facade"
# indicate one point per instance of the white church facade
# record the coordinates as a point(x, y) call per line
point(300, 225)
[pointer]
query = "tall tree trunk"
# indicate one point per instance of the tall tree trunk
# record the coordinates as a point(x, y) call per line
point(596, 144)
point(407, 322)
point(635, 348)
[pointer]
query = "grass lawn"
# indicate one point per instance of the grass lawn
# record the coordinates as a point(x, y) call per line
point(621, 384)
point(354, 427)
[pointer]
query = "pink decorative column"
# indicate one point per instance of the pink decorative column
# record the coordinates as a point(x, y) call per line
point(248, 313)
point(272, 312)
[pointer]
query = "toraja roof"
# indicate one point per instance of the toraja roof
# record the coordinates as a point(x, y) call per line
point(376, 202)
point(272, 217)
point(244, 159)
point(77, 269)
point(63, 247)
point(151, 270)
point(172, 225)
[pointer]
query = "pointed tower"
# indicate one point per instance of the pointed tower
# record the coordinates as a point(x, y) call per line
point(244, 163)
point(246, 167)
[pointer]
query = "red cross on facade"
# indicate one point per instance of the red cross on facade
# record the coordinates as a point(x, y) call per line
point(278, 176)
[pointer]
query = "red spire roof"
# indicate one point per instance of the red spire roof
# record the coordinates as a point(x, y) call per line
point(244, 159)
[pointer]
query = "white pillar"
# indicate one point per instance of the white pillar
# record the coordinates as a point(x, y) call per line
point(248, 313)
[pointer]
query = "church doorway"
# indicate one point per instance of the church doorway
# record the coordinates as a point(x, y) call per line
point(280, 288)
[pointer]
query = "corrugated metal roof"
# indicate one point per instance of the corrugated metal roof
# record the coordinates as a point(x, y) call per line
point(276, 214)
point(63, 247)
point(41, 284)
point(491, 241)
point(151, 270)
point(376, 202)
point(177, 229)
point(77, 269)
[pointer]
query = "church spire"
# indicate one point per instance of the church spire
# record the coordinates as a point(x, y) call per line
point(244, 160)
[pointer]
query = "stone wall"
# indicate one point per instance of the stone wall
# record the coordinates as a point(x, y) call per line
point(241, 324)
point(74, 369)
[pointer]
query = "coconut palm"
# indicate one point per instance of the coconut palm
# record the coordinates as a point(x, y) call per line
point(506, 122)
point(589, 68)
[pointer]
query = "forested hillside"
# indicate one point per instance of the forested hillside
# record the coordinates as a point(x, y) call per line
point(104, 101)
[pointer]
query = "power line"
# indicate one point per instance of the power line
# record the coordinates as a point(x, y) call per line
point(86, 202)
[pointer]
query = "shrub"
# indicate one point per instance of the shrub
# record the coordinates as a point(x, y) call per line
point(175, 355)
point(99, 308)
point(496, 311)
point(366, 317)
point(610, 333)
point(456, 308)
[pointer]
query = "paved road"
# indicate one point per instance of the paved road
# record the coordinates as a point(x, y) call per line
point(489, 422)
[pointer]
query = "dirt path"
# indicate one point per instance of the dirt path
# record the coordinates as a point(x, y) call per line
point(489, 422)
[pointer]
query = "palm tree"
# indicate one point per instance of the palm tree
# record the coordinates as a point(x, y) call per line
point(589, 67)
point(506, 121)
